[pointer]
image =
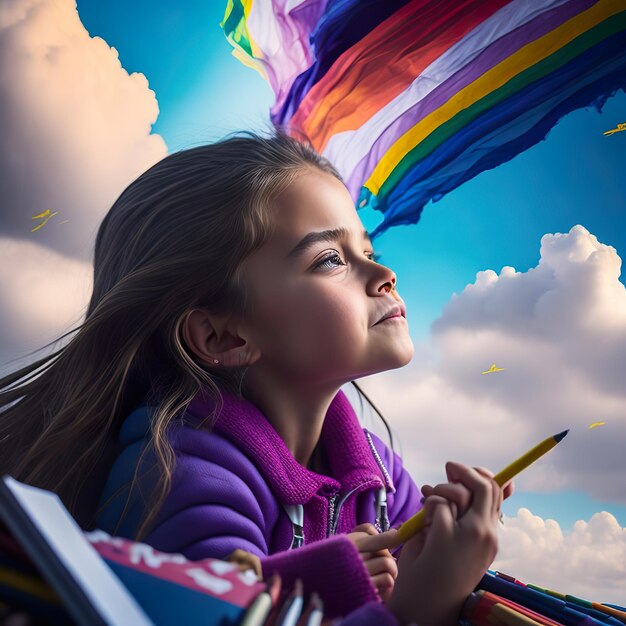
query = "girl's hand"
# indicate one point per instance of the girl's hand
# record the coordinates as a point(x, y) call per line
point(246, 560)
point(441, 565)
point(380, 564)
point(457, 494)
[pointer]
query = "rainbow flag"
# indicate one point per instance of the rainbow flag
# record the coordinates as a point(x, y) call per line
point(410, 99)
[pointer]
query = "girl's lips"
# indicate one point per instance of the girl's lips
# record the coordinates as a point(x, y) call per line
point(391, 317)
point(395, 311)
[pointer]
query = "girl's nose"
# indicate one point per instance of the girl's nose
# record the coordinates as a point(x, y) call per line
point(390, 284)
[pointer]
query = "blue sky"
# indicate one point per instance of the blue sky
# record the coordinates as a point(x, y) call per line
point(496, 219)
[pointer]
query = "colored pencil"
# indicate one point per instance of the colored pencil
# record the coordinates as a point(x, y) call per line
point(292, 608)
point(261, 606)
point(314, 613)
point(511, 617)
point(415, 523)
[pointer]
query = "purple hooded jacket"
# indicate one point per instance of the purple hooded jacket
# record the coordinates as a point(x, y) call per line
point(238, 486)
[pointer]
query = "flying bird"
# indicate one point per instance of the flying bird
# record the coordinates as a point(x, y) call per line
point(46, 214)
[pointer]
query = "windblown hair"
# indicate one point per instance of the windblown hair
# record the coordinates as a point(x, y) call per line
point(174, 240)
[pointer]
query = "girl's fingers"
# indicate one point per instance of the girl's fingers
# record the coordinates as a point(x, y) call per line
point(245, 560)
point(508, 489)
point(381, 541)
point(430, 505)
point(385, 593)
point(365, 556)
point(381, 565)
point(458, 495)
point(482, 487)
point(368, 528)
point(439, 517)
point(497, 491)
point(383, 581)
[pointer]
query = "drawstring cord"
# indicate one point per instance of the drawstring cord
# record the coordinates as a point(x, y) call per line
point(295, 513)
point(382, 520)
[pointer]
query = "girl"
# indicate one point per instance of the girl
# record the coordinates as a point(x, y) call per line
point(199, 408)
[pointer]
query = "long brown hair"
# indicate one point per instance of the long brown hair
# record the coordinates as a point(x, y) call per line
point(173, 240)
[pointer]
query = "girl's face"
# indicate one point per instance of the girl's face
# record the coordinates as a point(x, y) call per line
point(317, 306)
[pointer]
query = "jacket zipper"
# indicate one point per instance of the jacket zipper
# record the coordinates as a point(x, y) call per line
point(378, 459)
point(333, 517)
point(331, 513)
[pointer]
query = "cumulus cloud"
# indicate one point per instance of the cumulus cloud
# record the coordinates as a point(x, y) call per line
point(589, 561)
point(76, 126)
point(49, 294)
point(76, 131)
point(559, 332)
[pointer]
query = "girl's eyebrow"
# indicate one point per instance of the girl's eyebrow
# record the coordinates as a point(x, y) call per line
point(314, 237)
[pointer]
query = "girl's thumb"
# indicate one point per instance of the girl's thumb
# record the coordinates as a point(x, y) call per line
point(382, 541)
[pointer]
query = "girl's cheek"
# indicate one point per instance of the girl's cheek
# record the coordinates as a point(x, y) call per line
point(278, 313)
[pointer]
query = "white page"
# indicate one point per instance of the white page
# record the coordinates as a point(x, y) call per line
point(105, 590)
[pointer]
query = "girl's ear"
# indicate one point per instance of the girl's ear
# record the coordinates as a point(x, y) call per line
point(238, 357)
point(208, 338)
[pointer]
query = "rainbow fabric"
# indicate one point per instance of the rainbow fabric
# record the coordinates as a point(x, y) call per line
point(410, 99)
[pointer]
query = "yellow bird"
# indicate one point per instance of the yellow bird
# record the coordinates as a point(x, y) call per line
point(595, 424)
point(493, 368)
point(47, 214)
point(617, 129)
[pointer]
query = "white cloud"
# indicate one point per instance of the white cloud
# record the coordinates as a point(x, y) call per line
point(76, 126)
point(559, 332)
point(76, 131)
point(588, 562)
point(49, 294)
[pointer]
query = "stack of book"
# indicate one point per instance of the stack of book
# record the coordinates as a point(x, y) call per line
point(55, 573)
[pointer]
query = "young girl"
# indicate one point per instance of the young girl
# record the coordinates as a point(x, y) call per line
point(199, 408)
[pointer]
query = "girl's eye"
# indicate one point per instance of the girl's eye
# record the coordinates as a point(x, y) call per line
point(327, 262)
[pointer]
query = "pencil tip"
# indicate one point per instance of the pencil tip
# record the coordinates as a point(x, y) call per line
point(561, 435)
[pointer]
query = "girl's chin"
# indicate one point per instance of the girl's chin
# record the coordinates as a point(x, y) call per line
point(389, 363)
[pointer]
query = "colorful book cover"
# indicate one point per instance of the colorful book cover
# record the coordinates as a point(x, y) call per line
point(89, 590)
point(102, 579)
point(174, 590)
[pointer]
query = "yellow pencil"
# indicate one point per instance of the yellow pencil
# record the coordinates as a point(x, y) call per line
point(414, 524)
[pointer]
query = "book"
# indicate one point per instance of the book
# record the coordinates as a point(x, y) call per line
point(88, 589)
point(175, 590)
point(100, 579)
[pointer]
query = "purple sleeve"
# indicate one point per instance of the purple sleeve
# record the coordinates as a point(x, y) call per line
point(332, 567)
point(218, 501)
point(370, 614)
point(405, 502)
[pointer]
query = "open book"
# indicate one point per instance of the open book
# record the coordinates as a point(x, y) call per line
point(101, 579)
